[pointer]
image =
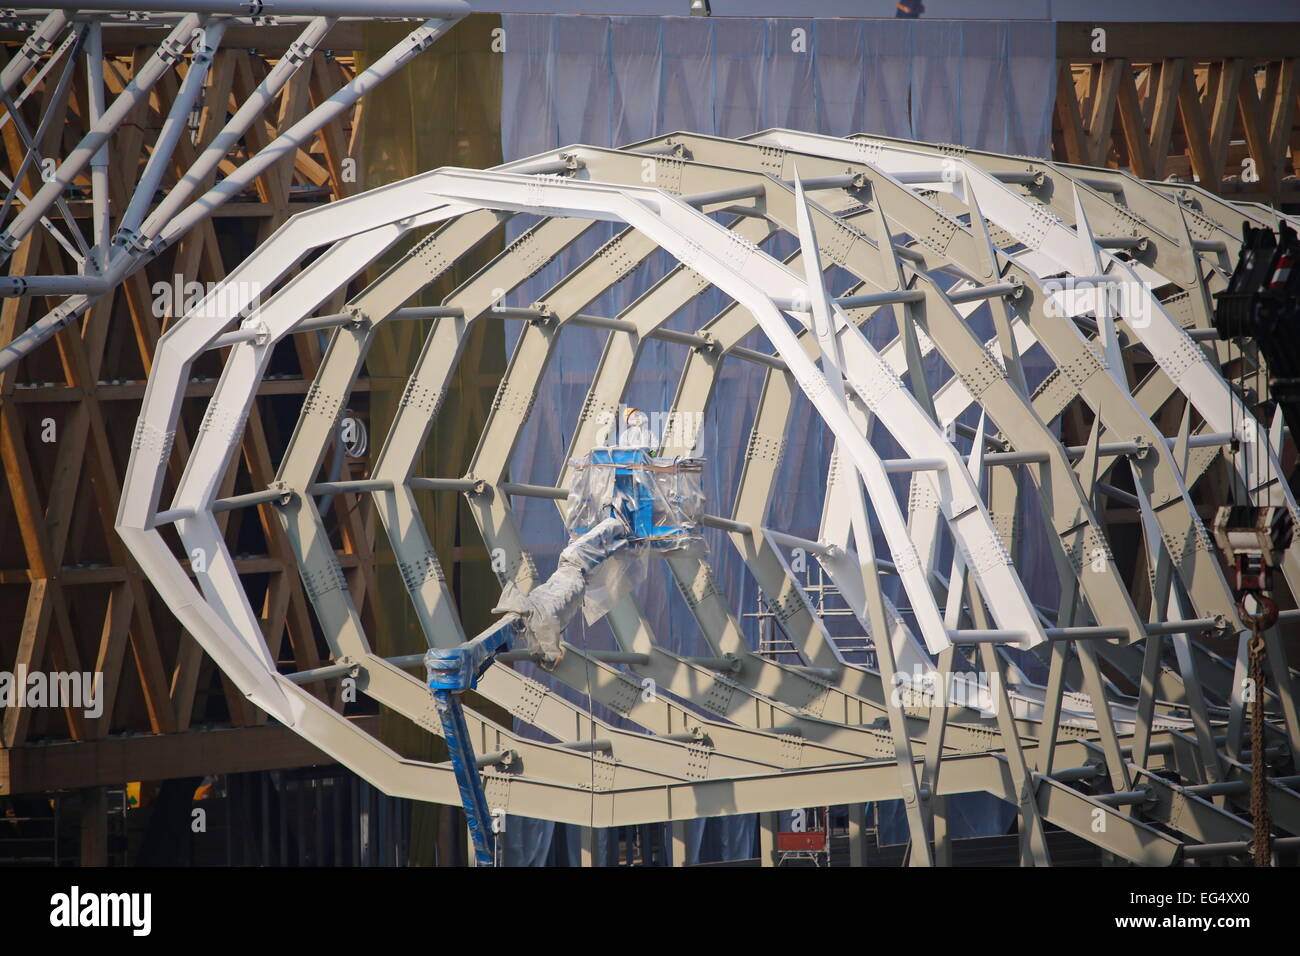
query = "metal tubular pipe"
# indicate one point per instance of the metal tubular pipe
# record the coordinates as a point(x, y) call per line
point(879, 298)
point(1201, 851)
point(1188, 626)
point(1085, 633)
point(1071, 774)
point(175, 514)
point(429, 312)
point(982, 292)
point(547, 168)
point(101, 232)
point(160, 159)
point(404, 661)
point(602, 322)
point(1015, 457)
point(989, 440)
point(725, 524)
point(1069, 283)
point(619, 657)
point(533, 491)
point(923, 176)
point(986, 637)
point(599, 745)
point(683, 338)
point(1164, 747)
point(31, 142)
point(728, 665)
point(344, 487)
point(335, 319)
point(287, 143)
point(34, 47)
point(793, 541)
point(51, 61)
point(328, 672)
point(227, 339)
point(722, 195)
point(820, 673)
point(444, 484)
point(896, 466)
point(826, 182)
point(1124, 798)
point(13, 287)
point(1110, 491)
point(171, 50)
point(128, 253)
point(1018, 178)
point(262, 96)
point(323, 322)
point(759, 358)
point(1228, 787)
point(513, 657)
point(1207, 440)
point(246, 501)
point(1099, 185)
point(513, 312)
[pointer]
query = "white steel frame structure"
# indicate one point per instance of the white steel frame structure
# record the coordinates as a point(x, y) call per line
point(929, 234)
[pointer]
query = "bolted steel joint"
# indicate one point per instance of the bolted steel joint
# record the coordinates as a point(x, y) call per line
point(358, 319)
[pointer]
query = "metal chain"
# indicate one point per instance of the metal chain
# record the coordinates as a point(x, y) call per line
point(1258, 769)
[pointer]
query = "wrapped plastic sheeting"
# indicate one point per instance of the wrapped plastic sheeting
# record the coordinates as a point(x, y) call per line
point(661, 499)
point(547, 609)
point(613, 581)
point(660, 502)
point(607, 538)
point(626, 504)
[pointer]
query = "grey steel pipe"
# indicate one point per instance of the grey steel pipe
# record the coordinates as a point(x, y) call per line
point(248, 500)
point(879, 298)
point(12, 287)
point(982, 292)
point(166, 216)
point(265, 93)
point(35, 46)
point(167, 55)
point(600, 745)
point(352, 487)
point(1085, 633)
point(533, 491)
point(170, 134)
point(327, 672)
point(101, 231)
point(288, 142)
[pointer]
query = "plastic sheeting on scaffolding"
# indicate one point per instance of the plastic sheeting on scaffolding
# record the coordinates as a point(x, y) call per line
point(625, 505)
